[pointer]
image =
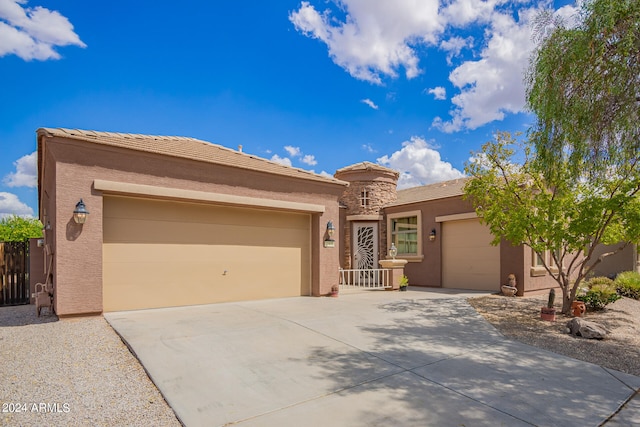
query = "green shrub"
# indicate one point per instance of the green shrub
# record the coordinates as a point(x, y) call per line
point(600, 280)
point(628, 284)
point(404, 281)
point(601, 292)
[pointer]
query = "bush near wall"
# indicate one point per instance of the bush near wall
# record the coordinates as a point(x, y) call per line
point(628, 284)
point(601, 292)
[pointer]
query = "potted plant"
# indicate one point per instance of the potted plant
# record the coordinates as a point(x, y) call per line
point(404, 282)
point(549, 312)
point(334, 291)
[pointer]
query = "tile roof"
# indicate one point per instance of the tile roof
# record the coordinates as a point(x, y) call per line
point(186, 148)
point(435, 191)
point(366, 166)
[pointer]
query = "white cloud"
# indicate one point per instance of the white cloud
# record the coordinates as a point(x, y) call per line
point(26, 174)
point(309, 159)
point(33, 33)
point(454, 46)
point(376, 37)
point(11, 205)
point(282, 160)
point(438, 92)
point(493, 85)
point(460, 13)
point(419, 164)
point(368, 148)
point(293, 151)
point(370, 103)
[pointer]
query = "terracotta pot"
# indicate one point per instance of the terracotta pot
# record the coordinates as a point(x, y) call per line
point(548, 314)
point(508, 291)
point(578, 308)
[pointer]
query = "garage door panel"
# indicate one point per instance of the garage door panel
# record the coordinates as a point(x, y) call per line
point(159, 263)
point(469, 261)
point(158, 232)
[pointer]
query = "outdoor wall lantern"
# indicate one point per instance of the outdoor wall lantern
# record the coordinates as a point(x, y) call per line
point(80, 213)
point(432, 235)
point(393, 251)
point(329, 242)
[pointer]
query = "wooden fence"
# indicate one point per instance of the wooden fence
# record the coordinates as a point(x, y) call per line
point(14, 273)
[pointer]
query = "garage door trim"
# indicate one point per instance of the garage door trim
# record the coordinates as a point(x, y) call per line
point(125, 188)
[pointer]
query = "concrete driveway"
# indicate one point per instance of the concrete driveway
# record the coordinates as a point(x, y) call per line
point(368, 359)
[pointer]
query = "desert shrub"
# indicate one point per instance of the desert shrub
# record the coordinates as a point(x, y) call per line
point(600, 280)
point(601, 292)
point(628, 284)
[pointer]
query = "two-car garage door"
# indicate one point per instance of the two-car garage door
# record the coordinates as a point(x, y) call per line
point(166, 253)
point(468, 259)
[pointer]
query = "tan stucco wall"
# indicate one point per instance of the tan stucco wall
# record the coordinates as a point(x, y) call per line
point(428, 272)
point(624, 260)
point(78, 265)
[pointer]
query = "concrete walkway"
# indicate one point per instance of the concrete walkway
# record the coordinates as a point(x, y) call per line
point(376, 358)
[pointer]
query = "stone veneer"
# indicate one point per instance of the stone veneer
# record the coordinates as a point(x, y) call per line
point(381, 185)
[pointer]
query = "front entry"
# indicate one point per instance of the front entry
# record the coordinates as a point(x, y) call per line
point(365, 245)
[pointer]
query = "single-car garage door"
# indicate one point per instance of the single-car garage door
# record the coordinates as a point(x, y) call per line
point(468, 259)
point(165, 253)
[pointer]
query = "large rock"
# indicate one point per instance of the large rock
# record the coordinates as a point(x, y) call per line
point(585, 329)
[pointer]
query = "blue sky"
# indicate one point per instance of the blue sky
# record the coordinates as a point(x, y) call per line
point(319, 85)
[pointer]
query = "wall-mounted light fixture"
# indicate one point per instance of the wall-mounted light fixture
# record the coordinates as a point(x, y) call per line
point(329, 242)
point(80, 213)
point(393, 251)
point(432, 235)
point(47, 227)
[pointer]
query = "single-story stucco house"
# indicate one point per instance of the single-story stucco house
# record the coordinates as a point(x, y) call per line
point(176, 221)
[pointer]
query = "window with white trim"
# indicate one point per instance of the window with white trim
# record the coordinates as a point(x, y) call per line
point(364, 198)
point(405, 232)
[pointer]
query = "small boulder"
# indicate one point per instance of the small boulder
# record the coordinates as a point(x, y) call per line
point(585, 329)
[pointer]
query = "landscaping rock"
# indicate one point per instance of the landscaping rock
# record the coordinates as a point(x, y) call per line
point(585, 329)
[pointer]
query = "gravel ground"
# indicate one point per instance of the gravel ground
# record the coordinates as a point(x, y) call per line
point(72, 372)
point(519, 318)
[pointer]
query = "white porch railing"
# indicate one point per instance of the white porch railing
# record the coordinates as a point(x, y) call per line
point(379, 278)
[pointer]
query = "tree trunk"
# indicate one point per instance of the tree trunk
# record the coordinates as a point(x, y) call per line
point(566, 302)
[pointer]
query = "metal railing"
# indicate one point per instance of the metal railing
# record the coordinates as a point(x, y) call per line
point(379, 278)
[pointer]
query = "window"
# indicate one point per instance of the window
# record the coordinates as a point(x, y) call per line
point(405, 232)
point(364, 198)
point(537, 263)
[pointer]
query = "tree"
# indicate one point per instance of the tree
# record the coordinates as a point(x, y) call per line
point(579, 183)
point(564, 217)
point(583, 84)
point(16, 229)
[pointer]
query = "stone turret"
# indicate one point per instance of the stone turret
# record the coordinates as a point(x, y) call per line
point(371, 188)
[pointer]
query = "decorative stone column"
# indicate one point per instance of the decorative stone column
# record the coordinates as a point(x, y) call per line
point(397, 270)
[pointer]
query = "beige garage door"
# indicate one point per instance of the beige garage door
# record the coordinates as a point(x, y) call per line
point(165, 253)
point(468, 259)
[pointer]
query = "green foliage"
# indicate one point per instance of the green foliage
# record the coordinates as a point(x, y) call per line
point(628, 284)
point(404, 281)
point(561, 215)
point(600, 280)
point(17, 229)
point(583, 86)
point(601, 293)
